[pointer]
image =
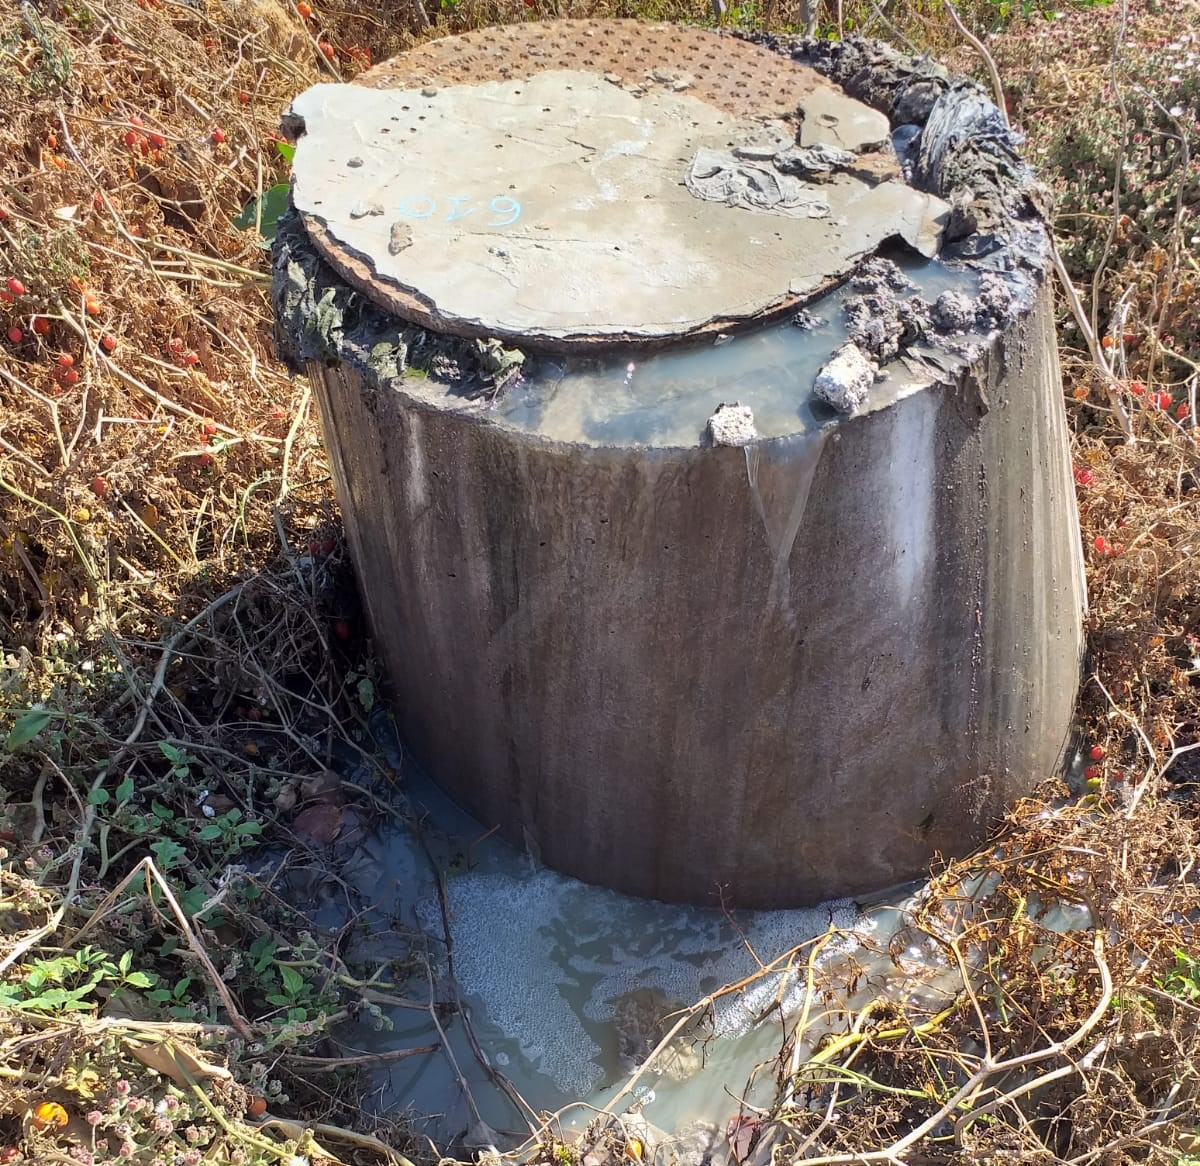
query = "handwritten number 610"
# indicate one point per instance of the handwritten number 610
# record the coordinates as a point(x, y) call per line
point(422, 206)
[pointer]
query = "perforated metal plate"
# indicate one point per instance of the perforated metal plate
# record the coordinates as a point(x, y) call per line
point(528, 183)
point(731, 74)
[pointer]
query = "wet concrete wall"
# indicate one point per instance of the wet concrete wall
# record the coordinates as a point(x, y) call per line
point(785, 672)
point(610, 655)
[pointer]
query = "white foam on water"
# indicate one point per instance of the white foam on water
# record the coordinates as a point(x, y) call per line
point(546, 956)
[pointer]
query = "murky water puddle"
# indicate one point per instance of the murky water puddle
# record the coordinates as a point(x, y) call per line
point(565, 983)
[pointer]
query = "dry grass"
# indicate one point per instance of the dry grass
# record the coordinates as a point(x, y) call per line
point(174, 597)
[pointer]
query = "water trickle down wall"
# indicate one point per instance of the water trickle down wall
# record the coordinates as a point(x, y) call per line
point(703, 458)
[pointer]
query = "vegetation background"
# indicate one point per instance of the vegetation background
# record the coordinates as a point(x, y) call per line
point(183, 653)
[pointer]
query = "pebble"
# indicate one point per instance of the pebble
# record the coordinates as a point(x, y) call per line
point(732, 424)
point(846, 378)
point(953, 312)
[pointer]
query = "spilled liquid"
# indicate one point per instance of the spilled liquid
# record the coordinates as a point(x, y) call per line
point(557, 976)
point(551, 971)
point(666, 398)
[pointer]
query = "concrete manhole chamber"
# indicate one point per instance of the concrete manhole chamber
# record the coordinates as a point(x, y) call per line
point(698, 430)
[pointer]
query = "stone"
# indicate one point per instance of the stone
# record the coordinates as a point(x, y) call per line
point(732, 424)
point(953, 312)
point(846, 378)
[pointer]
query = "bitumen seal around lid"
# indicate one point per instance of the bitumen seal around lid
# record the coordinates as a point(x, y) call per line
point(548, 191)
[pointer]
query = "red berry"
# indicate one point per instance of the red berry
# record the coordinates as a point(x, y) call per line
point(1101, 544)
point(205, 460)
point(157, 141)
point(188, 359)
point(304, 9)
point(66, 359)
point(15, 334)
point(108, 343)
point(217, 135)
point(68, 376)
point(341, 629)
point(244, 98)
point(208, 427)
point(175, 345)
point(134, 120)
point(1084, 476)
point(327, 546)
point(314, 549)
point(1096, 753)
point(1182, 411)
point(1091, 772)
point(41, 325)
point(99, 487)
point(326, 48)
point(1137, 388)
point(15, 286)
point(52, 141)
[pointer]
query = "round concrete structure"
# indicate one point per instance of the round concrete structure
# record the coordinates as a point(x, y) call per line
point(687, 599)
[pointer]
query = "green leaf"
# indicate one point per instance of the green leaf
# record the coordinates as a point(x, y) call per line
point(140, 980)
point(182, 987)
point(125, 962)
point(98, 796)
point(192, 900)
point(366, 694)
point(278, 1001)
point(246, 828)
point(159, 995)
point(124, 791)
point(165, 813)
point(293, 981)
point(173, 755)
point(27, 726)
point(210, 831)
point(50, 999)
point(266, 211)
point(168, 852)
point(286, 151)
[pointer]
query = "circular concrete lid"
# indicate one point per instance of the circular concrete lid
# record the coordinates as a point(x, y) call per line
point(576, 199)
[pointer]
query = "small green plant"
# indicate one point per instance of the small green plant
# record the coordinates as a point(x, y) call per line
point(1183, 980)
point(176, 999)
point(72, 983)
point(273, 202)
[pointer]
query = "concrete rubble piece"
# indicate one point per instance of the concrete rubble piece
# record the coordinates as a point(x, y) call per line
point(696, 418)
